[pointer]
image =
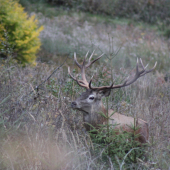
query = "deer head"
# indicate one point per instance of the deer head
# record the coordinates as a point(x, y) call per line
point(90, 102)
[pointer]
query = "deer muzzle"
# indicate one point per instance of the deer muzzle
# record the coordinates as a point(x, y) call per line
point(74, 105)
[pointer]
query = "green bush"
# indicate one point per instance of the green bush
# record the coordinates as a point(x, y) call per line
point(118, 145)
point(19, 32)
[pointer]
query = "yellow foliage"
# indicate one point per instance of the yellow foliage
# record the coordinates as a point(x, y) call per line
point(23, 32)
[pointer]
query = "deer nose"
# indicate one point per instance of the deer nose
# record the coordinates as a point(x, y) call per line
point(73, 104)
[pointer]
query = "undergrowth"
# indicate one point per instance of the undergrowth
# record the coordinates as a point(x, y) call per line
point(39, 130)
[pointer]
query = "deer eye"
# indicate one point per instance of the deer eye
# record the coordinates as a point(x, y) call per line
point(91, 98)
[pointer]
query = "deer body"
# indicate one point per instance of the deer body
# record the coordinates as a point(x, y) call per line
point(90, 103)
point(91, 106)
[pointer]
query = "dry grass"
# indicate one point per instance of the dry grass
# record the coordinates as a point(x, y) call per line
point(37, 128)
point(39, 131)
point(80, 32)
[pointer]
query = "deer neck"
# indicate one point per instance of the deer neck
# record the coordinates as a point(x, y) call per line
point(94, 117)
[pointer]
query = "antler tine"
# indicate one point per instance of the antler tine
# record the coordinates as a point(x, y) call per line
point(83, 82)
point(143, 65)
point(91, 56)
point(149, 70)
point(137, 66)
point(79, 82)
point(141, 62)
point(127, 81)
point(86, 54)
point(75, 59)
point(84, 61)
point(90, 63)
point(137, 75)
point(71, 75)
point(82, 67)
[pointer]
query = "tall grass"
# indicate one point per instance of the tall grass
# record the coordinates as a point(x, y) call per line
point(39, 130)
point(65, 34)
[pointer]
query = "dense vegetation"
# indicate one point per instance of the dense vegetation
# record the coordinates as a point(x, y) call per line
point(18, 33)
point(39, 130)
point(151, 11)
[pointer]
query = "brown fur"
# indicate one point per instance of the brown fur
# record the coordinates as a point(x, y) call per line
point(90, 102)
point(126, 123)
point(92, 114)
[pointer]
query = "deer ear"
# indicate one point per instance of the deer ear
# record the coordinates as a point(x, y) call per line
point(105, 93)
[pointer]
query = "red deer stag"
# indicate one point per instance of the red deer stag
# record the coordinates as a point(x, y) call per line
point(91, 105)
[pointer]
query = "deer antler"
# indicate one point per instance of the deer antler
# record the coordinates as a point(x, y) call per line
point(128, 81)
point(83, 67)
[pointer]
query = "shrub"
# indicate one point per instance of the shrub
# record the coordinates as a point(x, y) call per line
point(122, 146)
point(22, 32)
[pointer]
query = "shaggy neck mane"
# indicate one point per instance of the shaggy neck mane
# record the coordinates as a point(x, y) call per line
point(95, 116)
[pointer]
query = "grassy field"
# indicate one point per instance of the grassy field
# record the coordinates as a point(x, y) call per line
point(80, 32)
point(38, 129)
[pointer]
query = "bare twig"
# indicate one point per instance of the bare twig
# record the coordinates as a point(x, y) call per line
point(38, 87)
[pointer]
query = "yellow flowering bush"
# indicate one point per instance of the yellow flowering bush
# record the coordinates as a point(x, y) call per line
point(22, 31)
